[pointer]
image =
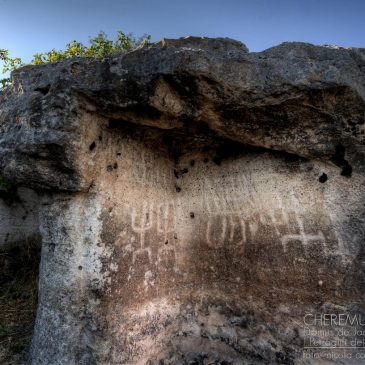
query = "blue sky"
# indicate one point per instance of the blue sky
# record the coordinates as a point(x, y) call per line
point(30, 26)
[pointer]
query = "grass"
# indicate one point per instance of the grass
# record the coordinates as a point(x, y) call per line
point(18, 300)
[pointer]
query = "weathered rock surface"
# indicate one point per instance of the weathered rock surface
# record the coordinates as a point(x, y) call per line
point(196, 200)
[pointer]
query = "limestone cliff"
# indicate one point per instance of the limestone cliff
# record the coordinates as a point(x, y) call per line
point(195, 200)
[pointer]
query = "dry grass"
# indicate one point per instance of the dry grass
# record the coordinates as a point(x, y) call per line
point(18, 300)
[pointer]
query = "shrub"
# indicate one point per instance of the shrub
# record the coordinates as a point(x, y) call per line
point(99, 47)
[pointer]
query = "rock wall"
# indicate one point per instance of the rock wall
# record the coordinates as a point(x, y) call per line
point(197, 200)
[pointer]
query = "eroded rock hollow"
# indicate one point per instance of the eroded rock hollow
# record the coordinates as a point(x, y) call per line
point(195, 200)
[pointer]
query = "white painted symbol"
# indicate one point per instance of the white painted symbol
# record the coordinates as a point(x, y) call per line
point(303, 237)
point(145, 224)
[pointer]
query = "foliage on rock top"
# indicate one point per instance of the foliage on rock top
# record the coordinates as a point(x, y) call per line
point(99, 47)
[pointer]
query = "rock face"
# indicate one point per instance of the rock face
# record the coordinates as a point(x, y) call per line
point(196, 201)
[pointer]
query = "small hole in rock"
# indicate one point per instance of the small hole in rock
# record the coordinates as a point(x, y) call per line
point(206, 160)
point(109, 168)
point(179, 173)
point(339, 159)
point(178, 189)
point(100, 138)
point(115, 166)
point(217, 160)
point(166, 242)
point(192, 215)
point(192, 163)
point(92, 146)
point(347, 170)
point(43, 89)
point(80, 267)
point(323, 178)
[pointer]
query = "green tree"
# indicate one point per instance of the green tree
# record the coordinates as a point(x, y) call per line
point(99, 47)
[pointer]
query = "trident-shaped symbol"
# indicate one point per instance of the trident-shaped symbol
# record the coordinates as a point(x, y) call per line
point(146, 222)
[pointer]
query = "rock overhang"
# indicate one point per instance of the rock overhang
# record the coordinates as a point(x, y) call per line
point(191, 188)
point(298, 98)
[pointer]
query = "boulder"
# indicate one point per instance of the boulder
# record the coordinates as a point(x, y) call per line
point(198, 203)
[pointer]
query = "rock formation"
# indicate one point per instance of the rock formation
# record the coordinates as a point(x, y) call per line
point(195, 200)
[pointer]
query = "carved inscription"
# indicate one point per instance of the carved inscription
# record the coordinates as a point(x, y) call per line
point(221, 220)
point(237, 219)
point(303, 237)
point(140, 225)
point(150, 170)
point(151, 234)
